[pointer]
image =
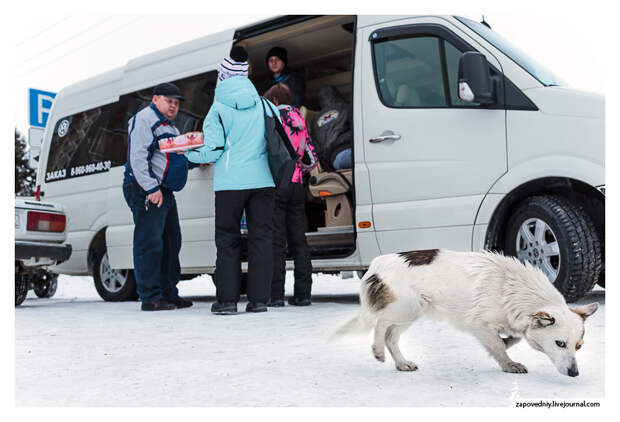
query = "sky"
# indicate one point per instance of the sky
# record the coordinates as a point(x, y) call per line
point(59, 50)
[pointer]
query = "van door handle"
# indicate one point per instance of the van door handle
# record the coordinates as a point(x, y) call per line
point(388, 135)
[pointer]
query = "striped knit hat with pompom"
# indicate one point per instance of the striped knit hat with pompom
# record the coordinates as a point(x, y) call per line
point(236, 64)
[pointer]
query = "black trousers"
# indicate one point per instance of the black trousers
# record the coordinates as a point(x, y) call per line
point(229, 206)
point(289, 226)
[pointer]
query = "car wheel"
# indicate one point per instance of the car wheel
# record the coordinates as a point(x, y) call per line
point(45, 286)
point(21, 288)
point(112, 285)
point(558, 237)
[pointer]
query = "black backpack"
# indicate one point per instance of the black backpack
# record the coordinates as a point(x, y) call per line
point(281, 155)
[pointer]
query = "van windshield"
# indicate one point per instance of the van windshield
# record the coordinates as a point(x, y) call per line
point(535, 69)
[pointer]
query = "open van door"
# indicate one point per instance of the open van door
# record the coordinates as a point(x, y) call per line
point(431, 156)
point(193, 67)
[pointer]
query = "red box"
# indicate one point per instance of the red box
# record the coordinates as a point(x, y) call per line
point(187, 141)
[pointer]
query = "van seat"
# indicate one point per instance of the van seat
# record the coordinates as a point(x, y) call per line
point(332, 187)
point(309, 116)
point(330, 183)
point(406, 97)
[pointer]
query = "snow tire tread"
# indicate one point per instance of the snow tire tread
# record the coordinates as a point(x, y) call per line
point(582, 248)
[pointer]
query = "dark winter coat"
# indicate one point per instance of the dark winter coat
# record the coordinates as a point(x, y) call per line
point(332, 129)
point(146, 164)
point(295, 82)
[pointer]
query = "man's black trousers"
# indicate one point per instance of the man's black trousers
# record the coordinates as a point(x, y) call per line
point(229, 206)
point(289, 226)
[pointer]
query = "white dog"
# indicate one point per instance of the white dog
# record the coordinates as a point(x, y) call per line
point(497, 299)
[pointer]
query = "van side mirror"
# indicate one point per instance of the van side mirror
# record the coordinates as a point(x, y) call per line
point(475, 79)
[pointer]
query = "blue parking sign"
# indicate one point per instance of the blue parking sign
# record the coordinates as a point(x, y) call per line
point(40, 104)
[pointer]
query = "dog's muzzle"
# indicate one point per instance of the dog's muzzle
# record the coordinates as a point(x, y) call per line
point(573, 371)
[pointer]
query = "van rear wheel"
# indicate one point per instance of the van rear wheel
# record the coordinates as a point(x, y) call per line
point(111, 284)
point(559, 237)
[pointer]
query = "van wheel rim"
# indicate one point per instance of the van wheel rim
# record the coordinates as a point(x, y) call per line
point(537, 244)
point(112, 280)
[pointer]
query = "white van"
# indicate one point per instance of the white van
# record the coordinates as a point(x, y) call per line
point(460, 141)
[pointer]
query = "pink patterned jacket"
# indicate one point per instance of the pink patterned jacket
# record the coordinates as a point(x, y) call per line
point(295, 127)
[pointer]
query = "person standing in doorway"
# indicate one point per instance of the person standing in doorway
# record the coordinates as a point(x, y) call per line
point(289, 216)
point(277, 62)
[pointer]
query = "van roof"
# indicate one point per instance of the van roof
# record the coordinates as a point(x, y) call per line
point(107, 86)
point(171, 63)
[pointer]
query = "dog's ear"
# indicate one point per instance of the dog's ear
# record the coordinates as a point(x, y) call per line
point(585, 310)
point(542, 319)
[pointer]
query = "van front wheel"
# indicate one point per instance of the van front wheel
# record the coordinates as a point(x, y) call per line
point(559, 237)
point(111, 284)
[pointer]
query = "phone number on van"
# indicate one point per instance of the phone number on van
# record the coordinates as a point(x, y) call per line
point(80, 170)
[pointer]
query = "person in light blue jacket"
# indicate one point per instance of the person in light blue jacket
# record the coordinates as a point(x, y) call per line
point(234, 138)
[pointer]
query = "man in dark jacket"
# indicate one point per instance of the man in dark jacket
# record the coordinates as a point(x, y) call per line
point(151, 176)
point(332, 130)
point(277, 62)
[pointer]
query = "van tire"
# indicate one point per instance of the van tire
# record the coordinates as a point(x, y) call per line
point(112, 285)
point(577, 242)
point(45, 285)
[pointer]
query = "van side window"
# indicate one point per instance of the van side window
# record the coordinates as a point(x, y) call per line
point(199, 92)
point(95, 140)
point(417, 72)
point(409, 72)
point(88, 142)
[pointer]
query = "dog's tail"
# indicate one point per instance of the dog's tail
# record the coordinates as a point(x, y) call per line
point(365, 319)
point(355, 326)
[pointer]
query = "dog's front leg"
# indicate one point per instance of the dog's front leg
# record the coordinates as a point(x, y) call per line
point(496, 347)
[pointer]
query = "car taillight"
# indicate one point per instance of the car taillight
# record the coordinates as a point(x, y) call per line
point(37, 193)
point(46, 222)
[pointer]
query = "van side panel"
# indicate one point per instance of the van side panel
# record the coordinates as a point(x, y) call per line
point(547, 143)
point(177, 62)
point(197, 219)
point(84, 200)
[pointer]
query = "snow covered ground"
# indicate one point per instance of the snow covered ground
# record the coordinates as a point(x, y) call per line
point(77, 350)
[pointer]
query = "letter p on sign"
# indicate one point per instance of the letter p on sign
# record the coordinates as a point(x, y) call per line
point(39, 104)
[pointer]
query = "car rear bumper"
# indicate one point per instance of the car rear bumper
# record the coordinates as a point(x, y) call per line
point(56, 251)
